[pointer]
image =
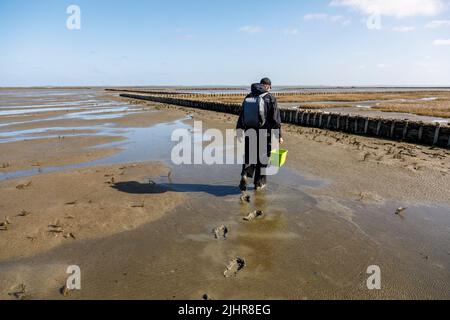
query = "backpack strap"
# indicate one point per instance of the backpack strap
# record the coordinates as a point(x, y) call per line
point(262, 109)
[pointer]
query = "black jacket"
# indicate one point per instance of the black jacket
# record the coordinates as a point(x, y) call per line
point(273, 118)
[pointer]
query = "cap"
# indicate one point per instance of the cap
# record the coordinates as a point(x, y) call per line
point(266, 81)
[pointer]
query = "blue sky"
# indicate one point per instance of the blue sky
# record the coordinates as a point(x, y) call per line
point(234, 42)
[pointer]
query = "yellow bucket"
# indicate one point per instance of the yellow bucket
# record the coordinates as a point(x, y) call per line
point(278, 157)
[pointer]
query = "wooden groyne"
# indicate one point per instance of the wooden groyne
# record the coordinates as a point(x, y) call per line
point(433, 134)
point(209, 95)
point(230, 108)
point(153, 92)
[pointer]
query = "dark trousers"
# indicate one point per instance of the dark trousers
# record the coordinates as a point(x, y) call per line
point(254, 170)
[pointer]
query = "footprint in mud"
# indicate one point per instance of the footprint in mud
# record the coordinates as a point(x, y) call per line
point(111, 182)
point(69, 235)
point(4, 225)
point(254, 215)
point(24, 213)
point(245, 198)
point(23, 186)
point(234, 267)
point(206, 297)
point(220, 232)
point(400, 212)
point(64, 291)
point(56, 228)
point(424, 256)
point(20, 293)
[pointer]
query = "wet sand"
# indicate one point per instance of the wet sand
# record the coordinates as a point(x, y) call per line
point(49, 210)
point(138, 232)
point(28, 154)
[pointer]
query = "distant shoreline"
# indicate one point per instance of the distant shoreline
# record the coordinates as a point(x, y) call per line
point(244, 87)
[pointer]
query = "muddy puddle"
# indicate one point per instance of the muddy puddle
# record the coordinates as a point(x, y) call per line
point(19, 108)
point(303, 246)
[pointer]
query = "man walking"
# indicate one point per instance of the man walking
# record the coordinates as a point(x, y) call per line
point(260, 113)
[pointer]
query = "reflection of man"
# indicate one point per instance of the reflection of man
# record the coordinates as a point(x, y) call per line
point(259, 112)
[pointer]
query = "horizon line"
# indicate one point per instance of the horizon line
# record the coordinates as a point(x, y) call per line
point(219, 86)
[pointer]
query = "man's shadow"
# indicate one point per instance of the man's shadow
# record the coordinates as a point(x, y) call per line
point(134, 187)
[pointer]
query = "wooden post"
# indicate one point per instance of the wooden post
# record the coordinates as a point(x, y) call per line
point(378, 127)
point(405, 130)
point(436, 134)
point(366, 126)
point(392, 129)
point(420, 133)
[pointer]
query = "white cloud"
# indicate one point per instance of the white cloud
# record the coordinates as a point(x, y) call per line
point(438, 24)
point(396, 8)
point(404, 29)
point(326, 17)
point(250, 29)
point(441, 42)
point(381, 66)
point(291, 31)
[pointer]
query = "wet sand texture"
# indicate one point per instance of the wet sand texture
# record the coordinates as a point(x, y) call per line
point(392, 129)
point(148, 231)
point(49, 210)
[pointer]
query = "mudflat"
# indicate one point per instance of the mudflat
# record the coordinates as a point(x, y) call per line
point(94, 186)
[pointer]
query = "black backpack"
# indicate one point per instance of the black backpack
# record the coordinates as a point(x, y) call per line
point(254, 111)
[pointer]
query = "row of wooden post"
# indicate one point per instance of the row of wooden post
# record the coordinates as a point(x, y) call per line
point(434, 134)
point(186, 95)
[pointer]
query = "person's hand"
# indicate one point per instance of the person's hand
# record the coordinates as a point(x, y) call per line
point(281, 141)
